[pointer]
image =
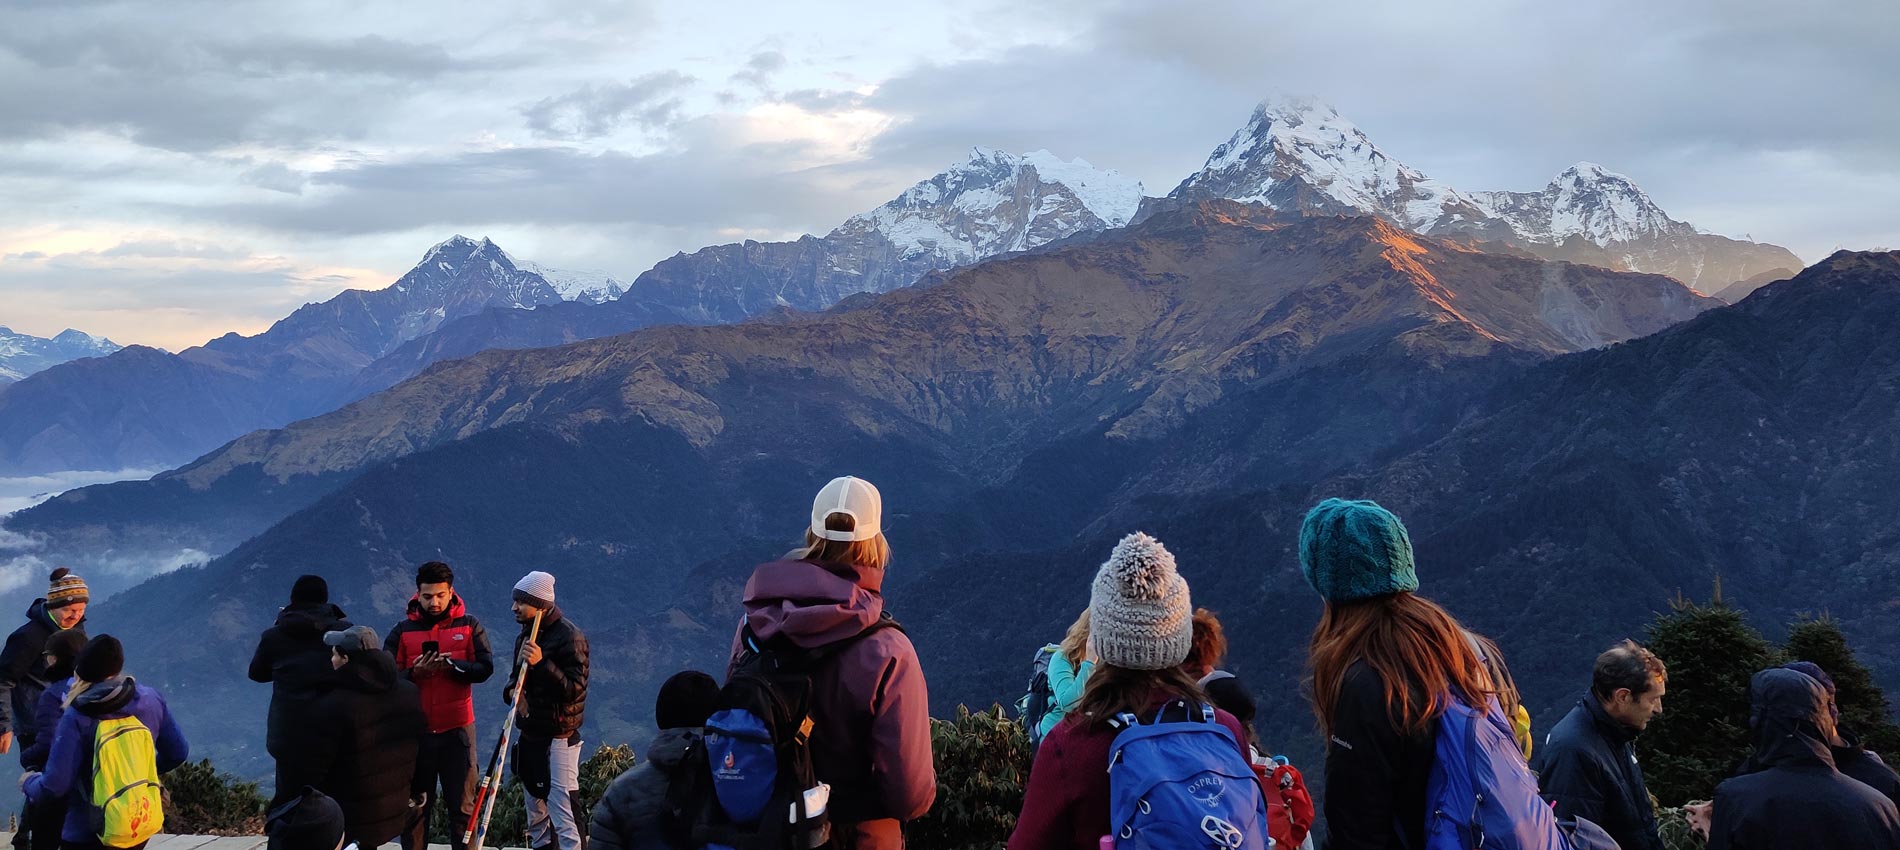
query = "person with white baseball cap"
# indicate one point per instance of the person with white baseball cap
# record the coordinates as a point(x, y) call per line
point(871, 710)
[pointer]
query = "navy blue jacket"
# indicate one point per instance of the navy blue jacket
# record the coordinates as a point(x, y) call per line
point(1797, 800)
point(1587, 768)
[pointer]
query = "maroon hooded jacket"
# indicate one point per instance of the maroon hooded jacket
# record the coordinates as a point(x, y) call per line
point(872, 713)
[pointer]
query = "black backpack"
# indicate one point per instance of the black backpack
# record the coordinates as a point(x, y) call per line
point(748, 783)
point(1040, 696)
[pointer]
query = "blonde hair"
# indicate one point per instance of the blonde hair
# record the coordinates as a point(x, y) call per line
point(79, 687)
point(1075, 644)
point(873, 554)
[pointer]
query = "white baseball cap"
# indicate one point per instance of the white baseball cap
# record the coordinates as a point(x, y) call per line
point(853, 497)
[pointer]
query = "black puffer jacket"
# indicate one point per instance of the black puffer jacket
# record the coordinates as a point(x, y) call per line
point(629, 814)
point(555, 701)
point(292, 658)
point(357, 743)
point(1587, 768)
point(1797, 800)
point(23, 672)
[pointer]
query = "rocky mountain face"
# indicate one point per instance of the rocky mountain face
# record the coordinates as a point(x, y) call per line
point(1299, 154)
point(1031, 403)
point(146, 408)
point(24, 354)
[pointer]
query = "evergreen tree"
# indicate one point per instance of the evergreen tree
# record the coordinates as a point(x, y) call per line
point(1864, 708)
point(1711, 653)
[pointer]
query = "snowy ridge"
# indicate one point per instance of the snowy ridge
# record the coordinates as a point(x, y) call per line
point(24, 354)
point(995, 201)
point(1586, 200)
point(587, 285)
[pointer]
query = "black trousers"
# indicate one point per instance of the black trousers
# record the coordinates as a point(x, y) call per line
point(45, 820)
point(445, 759)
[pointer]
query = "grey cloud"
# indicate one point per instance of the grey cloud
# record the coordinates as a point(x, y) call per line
point(759, 69)
point(276, 177)
point(172, 249)
point(649, 101)
point(707, 185)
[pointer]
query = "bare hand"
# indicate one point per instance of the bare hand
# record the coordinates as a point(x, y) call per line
point(1699, 816)
point(530, 652)
point(6, 741)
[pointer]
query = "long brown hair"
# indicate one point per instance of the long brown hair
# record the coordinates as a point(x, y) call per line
point(1112, 690)
point(1075, 644)
point(1416, 648)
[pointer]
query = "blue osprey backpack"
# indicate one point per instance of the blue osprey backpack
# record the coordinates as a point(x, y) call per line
point(1182, 784)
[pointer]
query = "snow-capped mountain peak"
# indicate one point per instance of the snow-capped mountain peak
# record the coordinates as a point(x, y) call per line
point(1299, 152)
point(995, 201)
point(23, 354)
point(1587, 200)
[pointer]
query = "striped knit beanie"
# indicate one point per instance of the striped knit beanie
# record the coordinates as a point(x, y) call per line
point(67, 589)
point(1139, 614)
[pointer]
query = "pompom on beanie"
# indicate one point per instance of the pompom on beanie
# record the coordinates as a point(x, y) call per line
point(1140, 617)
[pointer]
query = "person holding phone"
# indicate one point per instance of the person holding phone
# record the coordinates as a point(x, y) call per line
point(444, 650)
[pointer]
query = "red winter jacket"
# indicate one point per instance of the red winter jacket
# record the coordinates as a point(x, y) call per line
point(872, 740)
point(446, 697)
point(1066, 805)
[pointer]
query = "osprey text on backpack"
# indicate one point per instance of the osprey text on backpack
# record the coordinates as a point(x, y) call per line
point(127, 807)
point(1176, 784)
point(748, 784)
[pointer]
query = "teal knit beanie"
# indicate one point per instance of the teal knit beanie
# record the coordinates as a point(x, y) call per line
point(1355, 550)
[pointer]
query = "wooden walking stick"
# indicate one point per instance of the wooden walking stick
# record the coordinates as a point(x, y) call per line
point(491, 779)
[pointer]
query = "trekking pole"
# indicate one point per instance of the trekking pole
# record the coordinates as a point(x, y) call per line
point(491, 779)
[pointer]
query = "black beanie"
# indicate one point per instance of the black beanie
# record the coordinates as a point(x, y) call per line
point(64, 646)
point(102, 659)
point(308, 821)
point(686, 700)
point(309, 590)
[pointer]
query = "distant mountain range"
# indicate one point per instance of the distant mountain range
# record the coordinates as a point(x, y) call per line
point(1301, 154)
point(1018, 405)
point(24, 354)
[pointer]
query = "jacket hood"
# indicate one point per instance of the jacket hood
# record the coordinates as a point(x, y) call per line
point(371, 671)
point(308, 618)
point(812, 604)
point(1612, 729)
point(37, 613)
point(668, 748)
point(107, 697)
point(456, 609)
point(1788, 711)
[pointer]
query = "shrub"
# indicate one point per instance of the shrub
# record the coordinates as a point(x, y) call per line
point(202, 800)
point(1864, 708)
point(982, 765)
point(1676, 834)
point(597, 772)
point(1712, 653)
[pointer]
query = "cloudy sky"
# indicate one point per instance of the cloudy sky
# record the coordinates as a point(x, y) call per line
point(174, 171)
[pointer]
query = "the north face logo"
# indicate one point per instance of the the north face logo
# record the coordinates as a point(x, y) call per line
point(1208, 790)
point(459, 636)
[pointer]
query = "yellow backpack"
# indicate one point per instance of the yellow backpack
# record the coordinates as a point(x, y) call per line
point(127, 808)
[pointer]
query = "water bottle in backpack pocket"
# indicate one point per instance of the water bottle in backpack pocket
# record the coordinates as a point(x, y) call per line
point(127, 805)
point(1181, 783)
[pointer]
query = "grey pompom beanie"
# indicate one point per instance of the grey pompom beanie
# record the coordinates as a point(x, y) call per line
point(1139, 614)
